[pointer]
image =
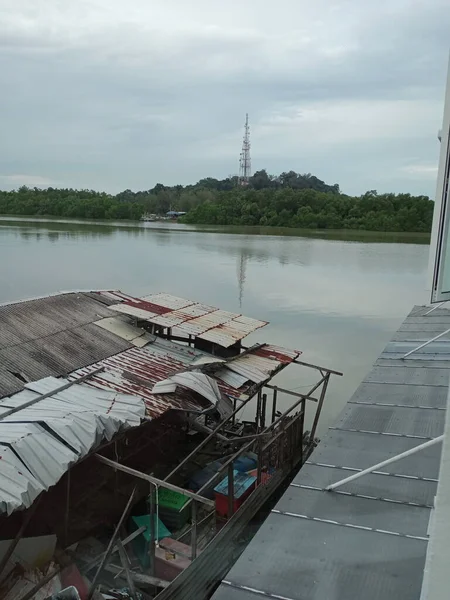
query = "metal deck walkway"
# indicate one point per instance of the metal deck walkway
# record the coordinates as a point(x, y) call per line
point(368, 539)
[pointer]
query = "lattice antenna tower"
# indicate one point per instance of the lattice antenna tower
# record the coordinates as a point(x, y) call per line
point(245, 165)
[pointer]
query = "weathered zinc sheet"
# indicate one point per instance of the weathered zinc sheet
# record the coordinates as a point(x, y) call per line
point(38, 443)
point(367, 539)
point(191, 318)
point(52, 336)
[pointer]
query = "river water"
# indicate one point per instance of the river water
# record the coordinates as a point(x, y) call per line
point(338, 301)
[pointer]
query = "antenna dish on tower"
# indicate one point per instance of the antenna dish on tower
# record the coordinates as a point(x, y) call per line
point(245, 165)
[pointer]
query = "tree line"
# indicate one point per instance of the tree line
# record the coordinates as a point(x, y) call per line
point(286, 200)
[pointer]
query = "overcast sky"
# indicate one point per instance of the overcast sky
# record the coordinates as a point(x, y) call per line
point(116, 94)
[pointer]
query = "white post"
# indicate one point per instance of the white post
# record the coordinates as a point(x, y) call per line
point(426, 343)
point(393, 459)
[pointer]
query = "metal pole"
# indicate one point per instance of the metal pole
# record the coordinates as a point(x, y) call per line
point(305, 364)
point(263, 410)
point(110, 545)
point(299, 401)
point(194, 531)
point(260, 462)
point(274, 405)
point(66, 516)
point(151, 550)
point(319, 407)
point(393, 459)
point(258, 412)
point(290, 392)
point(426, 343)
point(230, 490)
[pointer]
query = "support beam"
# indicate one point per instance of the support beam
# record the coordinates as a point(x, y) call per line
point(291, 393)
point(319, 408)
point(305, 364)
point(154, 480)
point(389, 461)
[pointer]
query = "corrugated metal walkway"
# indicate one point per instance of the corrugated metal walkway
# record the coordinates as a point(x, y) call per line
point(368, 539)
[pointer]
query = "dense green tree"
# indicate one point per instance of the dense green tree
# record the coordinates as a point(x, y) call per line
point(288, 200)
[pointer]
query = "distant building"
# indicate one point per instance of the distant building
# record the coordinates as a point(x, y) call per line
point(174, 214)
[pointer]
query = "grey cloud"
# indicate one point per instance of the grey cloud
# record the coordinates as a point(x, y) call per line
point(124, 103)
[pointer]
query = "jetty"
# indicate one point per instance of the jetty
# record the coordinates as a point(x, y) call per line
point(383, 534)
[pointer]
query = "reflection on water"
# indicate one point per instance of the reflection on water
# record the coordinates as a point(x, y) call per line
point(338, 301)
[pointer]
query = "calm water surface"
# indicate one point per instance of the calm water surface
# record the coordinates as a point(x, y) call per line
point(337, 301)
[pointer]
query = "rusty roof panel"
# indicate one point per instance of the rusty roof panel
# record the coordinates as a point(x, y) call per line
point(192, 318)
point(279, 353)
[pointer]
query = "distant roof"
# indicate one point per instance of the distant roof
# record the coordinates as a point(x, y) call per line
point(192, 318)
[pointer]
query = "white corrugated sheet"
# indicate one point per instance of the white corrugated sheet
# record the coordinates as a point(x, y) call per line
point(39, 443)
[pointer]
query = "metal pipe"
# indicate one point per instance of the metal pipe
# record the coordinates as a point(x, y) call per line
point(154, 480)
point(384, 463)
point(426, 343)
point(274, 403)
point(304, 397)
point(319, 407)
point(111, 544)
point(290, 392)
point(305, 364)
point(151, 550)
point(66, 516)
point(258, 412)
point(263, 410)
point(194, 531)
point(230, 490)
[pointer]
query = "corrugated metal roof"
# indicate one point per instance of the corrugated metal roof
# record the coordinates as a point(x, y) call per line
point(52, 336)
point(192, 318)
point(39, 443)
point(137, 370)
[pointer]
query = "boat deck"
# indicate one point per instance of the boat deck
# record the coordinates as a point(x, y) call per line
point(367, 539)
